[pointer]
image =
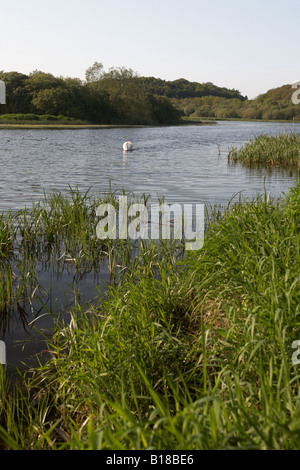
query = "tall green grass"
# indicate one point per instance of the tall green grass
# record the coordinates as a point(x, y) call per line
point(62, 228)
point(282, 149)
point(190, 355)
point(58, 232)
point(7, 243)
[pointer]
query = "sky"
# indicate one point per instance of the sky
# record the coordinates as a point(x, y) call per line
point(249, 45)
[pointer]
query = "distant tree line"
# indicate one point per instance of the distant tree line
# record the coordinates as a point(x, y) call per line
point(117, 96)
point(276, 104)
point(121, 96)
point(182, 88)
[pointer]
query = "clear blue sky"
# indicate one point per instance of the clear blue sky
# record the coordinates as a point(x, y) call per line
point(250, 45)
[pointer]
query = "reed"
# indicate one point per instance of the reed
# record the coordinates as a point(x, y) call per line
point(59, 232)
point(7, 244)
point(282, 149)
point(8, 233)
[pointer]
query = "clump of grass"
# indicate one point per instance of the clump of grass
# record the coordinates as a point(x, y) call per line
point(62, 229)
point(7, 243)
point(6, 286)
point(282, 149)
point(8, 230)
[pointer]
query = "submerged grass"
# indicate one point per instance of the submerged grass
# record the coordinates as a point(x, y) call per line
point(190, 355)
point(58, 232)
point(7, 241)
point(282, 149)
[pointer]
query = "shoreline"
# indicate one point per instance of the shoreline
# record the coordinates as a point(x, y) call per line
point(63, 126)
point(100, 126)
point(69, 126)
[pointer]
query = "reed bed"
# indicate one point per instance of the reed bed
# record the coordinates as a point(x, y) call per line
point(7, 241)
point(59, 232)
point(282, 149)
point(184, 354)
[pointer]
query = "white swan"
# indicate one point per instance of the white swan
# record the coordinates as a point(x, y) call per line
point(127, 146)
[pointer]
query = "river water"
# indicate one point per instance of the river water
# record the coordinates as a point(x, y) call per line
point(185, 164)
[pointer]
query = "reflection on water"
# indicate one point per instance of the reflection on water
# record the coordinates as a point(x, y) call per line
point(184, 164)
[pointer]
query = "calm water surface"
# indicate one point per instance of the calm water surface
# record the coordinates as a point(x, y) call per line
point(183, 164)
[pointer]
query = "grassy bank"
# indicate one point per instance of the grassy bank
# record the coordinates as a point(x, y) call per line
point(49, 121)
point(282, 149)
point(34, 121)
point(191, 354)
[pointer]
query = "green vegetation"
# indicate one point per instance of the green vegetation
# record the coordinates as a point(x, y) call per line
point(56, 233)
point(181, 89)
point(115, 97)
point(33, 117)
point(7, 238)
point(121, 96)
point(276, 104)
point(282, 149)
point(38, 120)
point(188, 353)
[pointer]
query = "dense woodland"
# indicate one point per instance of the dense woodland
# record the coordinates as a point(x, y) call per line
point(121, 96)
point(276, 104)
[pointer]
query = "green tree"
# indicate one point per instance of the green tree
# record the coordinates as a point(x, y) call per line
point(98, 104)
point(18, 99)
point(94, 73)
point(162, 111)
point(54, 101)
point(38, 81)
point(126, 95)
